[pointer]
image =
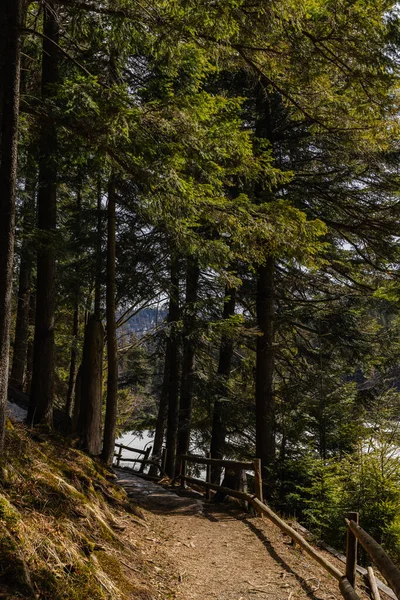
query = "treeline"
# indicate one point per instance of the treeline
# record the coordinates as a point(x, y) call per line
point(236, 162)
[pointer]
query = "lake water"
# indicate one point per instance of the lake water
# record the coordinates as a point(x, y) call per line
point(140, 441)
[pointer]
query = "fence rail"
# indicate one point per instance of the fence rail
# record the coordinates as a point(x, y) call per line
point(142, 461)
point(384, 563)
point(236, 465)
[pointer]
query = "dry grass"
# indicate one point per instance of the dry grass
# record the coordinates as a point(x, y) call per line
point(60, 525)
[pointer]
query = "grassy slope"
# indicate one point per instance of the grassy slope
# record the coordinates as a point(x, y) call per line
point(65, 529)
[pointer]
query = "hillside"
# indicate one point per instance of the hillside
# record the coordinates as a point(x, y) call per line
point(66, 531)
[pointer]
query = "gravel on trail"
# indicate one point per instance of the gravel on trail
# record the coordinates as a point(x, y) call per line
point(219, 552)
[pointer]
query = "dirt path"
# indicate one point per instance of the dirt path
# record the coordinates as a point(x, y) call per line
point(219, 552)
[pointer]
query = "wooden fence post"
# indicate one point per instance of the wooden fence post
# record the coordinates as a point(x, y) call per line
point(163, 459)
point(183, 472)
point(119, 455)
point(208, 478)
point(351, 551)
point(384, 563)
point(145, 457)
point(258, 482)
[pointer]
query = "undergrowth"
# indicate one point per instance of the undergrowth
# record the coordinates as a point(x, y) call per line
point(60, 522)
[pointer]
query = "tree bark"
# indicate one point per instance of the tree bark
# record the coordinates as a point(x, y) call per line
point(265, 400)
point(41, 401)
point(188, 359)
point(110, 425)
point(73, 360)
point(29, 355)
point(173, 380)
point(218, 433)
point(89, 421)
point(75, 322)
point(11, 19)
point(161, 415)
point(19, 363)
point(97, 285)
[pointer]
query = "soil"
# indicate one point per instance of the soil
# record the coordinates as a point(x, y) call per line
point(218, 551)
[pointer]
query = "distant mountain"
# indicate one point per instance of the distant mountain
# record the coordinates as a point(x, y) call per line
point(145, 320)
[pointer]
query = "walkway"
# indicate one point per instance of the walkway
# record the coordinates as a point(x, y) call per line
point(221, 553)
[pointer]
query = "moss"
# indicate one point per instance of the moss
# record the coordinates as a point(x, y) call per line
point(56, 506)
point(78, 584)
point(13, 570)
point(8, 514)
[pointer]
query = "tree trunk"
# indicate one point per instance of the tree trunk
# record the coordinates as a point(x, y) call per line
point(75, 322)
point(73, 360)
point(265, 401)
point(218, 433)
point(18, 369)
point(29, 354)
point(161, 416)
point(77, 402)
point(189, 345)
point(110, 425)
point(97, 284)
point(173, 380)
point(89, 421)
point(11, 18)
point(41, 401)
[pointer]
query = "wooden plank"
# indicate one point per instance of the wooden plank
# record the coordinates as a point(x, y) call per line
point(372, 584)
point(220, 488)
point(258, 479)
point(140, 460)
point(146, 457)
point(347, 590)
point(360, 570)
point(201, 460)
point(385, 564)
point(130, 449)
point(351, 551)
point(119, 455)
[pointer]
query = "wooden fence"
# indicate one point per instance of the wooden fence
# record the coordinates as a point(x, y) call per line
point(236, 465)
point(355, 533)
point(142, 461)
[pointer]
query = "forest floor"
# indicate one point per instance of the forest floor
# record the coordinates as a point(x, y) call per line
point(220, 552)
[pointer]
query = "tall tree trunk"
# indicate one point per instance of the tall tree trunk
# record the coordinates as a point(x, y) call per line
point(11, 19)
point(161, 415)
point(173, 380)
point(73, 360)
point(17, 377)
point(110, 425)
point(91, 373)
point(218, 433)
point(188, 359)
point(97, 283)
point(265, 400)
point(41, 401)
point(89, 423)
point(29, 354)
point(75, 321)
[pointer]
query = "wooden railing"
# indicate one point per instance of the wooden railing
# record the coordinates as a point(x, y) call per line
point(386, 566)
point(142, 461)
point(236, 465)
point(355, 533)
